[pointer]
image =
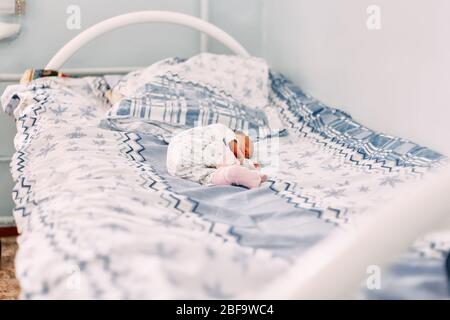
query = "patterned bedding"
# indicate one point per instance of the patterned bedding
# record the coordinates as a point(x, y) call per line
point(101, 218)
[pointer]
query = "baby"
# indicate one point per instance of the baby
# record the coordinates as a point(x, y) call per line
point(214, 155)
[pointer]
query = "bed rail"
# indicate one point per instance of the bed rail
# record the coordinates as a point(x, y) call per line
point(143, 17)
point(76, 72)
point(337, 267)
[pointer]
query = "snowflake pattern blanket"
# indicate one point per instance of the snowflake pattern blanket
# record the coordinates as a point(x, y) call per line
point(100, 217)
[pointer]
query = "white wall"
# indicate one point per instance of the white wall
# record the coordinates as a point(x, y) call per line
point(396, 79)
point(242, 19)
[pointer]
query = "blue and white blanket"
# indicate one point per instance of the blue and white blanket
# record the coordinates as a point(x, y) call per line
point(101, 218)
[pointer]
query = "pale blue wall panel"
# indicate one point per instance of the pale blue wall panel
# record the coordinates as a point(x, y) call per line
point(6, 185)
point(44, 32)
point(7, 132)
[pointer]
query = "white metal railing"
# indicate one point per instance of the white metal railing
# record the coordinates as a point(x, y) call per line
point(143, 17)
point(337, 267)
point(76, 72)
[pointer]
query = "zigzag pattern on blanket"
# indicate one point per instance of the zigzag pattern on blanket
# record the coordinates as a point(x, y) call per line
point(100, 200)
point(22, 192)
point(339, 129)
point(299, 199)
point(152, 181)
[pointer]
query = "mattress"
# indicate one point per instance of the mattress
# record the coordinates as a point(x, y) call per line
point(100, 218)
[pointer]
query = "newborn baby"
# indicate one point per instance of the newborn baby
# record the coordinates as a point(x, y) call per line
point(213, 155)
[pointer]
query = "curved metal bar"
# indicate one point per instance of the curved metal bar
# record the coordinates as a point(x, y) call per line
point(143, 17)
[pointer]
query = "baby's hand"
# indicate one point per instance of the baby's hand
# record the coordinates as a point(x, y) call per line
point(256, 165)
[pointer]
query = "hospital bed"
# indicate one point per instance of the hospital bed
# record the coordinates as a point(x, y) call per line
point(100, 217)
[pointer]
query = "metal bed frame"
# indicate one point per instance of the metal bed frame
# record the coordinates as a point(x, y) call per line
point(336, 267)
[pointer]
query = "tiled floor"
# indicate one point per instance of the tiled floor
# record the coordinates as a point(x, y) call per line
point(9, 287)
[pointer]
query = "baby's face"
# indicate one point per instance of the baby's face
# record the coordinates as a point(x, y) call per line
point(245, 144)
